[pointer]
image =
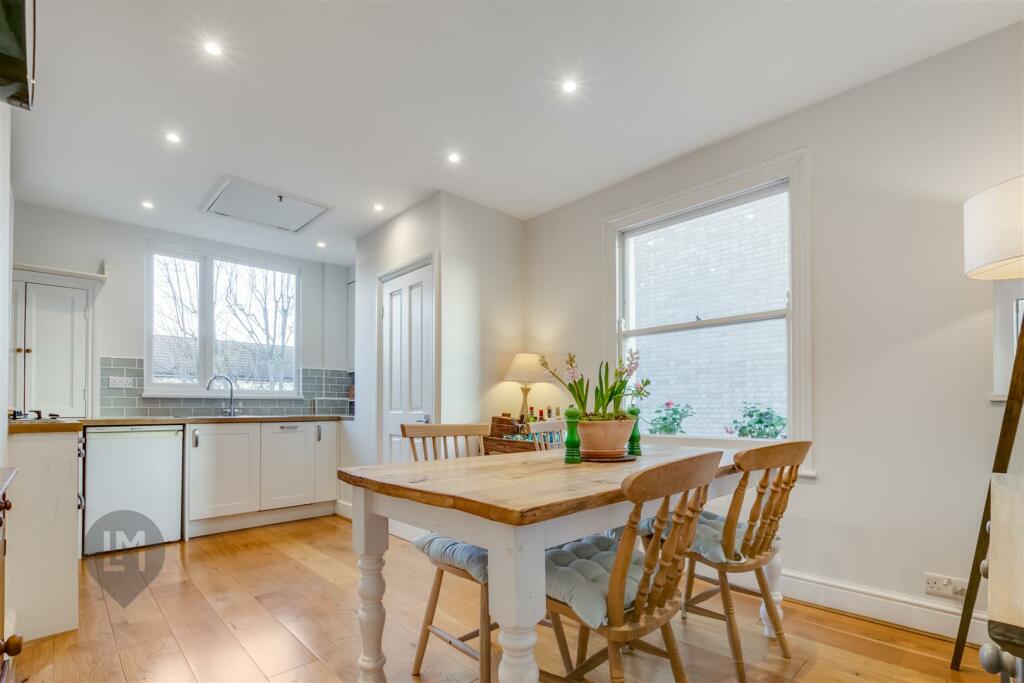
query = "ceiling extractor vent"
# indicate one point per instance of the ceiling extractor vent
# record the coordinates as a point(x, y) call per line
point(245, 201)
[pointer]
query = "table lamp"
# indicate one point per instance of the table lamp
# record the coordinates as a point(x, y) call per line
point(526, 370)
point(994, 250)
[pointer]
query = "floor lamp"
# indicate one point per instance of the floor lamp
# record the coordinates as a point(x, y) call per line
point(994, 250)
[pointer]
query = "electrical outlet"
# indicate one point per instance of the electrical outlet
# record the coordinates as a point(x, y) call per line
point(121, 383)
point(948, 587)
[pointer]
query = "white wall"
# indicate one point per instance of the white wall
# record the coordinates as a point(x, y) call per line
point(904, 433)
point(6, 247)
point(479, 252)
point(61, 239)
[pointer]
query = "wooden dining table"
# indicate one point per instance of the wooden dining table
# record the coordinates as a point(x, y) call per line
point(515, 505)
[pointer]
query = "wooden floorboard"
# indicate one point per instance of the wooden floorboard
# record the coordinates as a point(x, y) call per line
point(279, 603)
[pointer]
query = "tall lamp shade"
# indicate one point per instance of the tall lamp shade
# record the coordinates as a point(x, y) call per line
point(526, 370)
point(994, 232)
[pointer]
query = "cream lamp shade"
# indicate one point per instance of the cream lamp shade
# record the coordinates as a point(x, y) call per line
point(526, 370)
point(994, 232)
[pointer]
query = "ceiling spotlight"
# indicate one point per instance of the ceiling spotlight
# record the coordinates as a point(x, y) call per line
point(321, 244)
point(173, 137)
point(147, 204)
point(454, 158)
point(569, 86)
point(378, 207)
point(213, 48)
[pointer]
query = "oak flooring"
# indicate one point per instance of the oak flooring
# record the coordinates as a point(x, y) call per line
point(279, 603)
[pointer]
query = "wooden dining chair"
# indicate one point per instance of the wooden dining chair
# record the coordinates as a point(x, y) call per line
point(547, 434)
point(731, 546)
point(642, 590)
point(430, 442)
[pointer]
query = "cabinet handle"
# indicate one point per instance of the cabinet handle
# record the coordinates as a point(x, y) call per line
point(319, 434)
point(12, 646)
point(18, 350)
point(289, 426)
point(5, 504)
point(195, 438)
point(26, 351)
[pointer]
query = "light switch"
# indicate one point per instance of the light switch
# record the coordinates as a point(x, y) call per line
point(122, 383)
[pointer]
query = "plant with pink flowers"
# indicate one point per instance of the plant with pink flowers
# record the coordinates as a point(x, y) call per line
point(610, 389)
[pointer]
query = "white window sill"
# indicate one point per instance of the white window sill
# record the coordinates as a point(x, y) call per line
point(807, 471)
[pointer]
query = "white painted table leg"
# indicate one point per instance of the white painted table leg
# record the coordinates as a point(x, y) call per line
point(370, 539)
point(515, 569)
point(773, 573)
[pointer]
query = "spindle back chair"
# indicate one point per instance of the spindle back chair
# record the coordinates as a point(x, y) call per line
point(547, 435)
point(658, 598)
point(431, 441)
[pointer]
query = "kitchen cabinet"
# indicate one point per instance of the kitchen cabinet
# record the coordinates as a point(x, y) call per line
point(288, 462)
point(327, 461)
point(49, 349)
point(224, 467)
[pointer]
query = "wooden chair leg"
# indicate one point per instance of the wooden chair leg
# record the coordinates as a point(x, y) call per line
point(672, 648)
point(691, 574)
point(581, 645)
point(428, 619)
point(772, 610)
point(615, 663)
point(485, 635)
point(731, 627)
point(563, 646)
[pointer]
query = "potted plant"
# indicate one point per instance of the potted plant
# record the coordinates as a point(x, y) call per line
point(668, 418)
point(604, 429)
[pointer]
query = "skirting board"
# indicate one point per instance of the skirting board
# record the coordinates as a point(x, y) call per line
point(896, 608)
point(216, 525)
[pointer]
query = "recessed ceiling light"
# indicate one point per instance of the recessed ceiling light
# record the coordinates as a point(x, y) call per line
point(213, 48)
point(321, 244)
point(568, 86)
point(454, 158)
point(147, 204)
point(378, 207)
point(173, 137)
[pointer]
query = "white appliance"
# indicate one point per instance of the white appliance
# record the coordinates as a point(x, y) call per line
point(133, 468)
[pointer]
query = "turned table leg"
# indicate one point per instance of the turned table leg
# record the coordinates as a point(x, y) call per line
point(773, 573)
point(370, 539)
point(515, 568)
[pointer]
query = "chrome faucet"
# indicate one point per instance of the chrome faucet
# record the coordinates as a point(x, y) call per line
point(230, 410)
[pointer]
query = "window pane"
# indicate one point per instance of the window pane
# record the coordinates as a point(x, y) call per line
point(175, 334)
point(730, 262)
point(719, 372)
point(254, 326)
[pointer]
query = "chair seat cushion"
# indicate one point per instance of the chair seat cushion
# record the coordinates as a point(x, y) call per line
point(468, 557)
point(707, 539)
point(577, 574)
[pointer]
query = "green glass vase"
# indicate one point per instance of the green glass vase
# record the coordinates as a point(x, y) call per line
point(633, 447)
point(572, 435)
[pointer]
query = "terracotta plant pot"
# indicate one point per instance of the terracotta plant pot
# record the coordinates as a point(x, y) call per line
point(604, 439)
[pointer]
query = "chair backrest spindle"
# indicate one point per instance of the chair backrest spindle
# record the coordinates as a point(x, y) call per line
point(547, 434)
point(430, 441)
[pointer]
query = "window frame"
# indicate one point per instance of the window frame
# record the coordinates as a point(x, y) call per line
point(206, 326)
point(707, 198)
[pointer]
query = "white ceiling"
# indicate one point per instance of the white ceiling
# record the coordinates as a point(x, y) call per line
point(355, 103)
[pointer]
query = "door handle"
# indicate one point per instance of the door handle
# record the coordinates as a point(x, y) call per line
point(81, 502)
point(195, 438)
point(426, 418)
point(319, 433)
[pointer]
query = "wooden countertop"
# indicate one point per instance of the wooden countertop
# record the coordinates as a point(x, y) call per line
point(44, 426)
point(1006, 564)
point(515, 488)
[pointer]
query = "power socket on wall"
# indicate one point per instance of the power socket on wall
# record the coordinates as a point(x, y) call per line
point(948, 587)
point(121, 382)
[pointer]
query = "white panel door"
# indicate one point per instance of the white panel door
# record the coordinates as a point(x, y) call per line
point(326, 461)
point(223, 469)
point(17, 347)
point(56, 355)
point(407, 357)
point(288, 464)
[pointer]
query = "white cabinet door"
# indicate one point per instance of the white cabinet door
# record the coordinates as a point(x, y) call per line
point(55, 350)
point(223, 469)
point(16, 352)
point(326, 461)
point(288, 460)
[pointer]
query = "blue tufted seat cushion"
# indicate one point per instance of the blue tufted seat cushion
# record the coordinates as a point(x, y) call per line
point(466, 556)
point(577, 574)
point(707, 539)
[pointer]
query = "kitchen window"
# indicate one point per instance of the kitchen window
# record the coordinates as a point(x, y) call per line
point(706, 296)
point(208, 316)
